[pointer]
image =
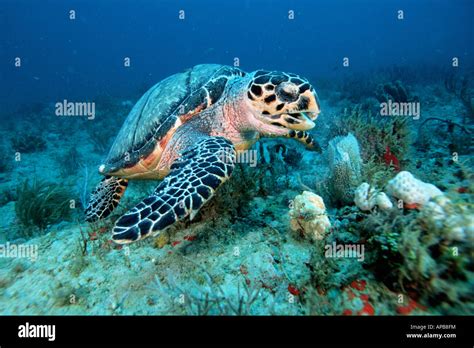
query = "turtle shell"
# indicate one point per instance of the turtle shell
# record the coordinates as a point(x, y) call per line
point(157, 111)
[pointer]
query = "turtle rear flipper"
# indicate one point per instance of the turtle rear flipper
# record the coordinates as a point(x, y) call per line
point(192, 181)
point(105, 198)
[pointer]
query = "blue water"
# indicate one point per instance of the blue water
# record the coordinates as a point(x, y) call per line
point(81, 58)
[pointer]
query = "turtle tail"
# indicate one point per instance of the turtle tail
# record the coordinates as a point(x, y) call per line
point(105, 198)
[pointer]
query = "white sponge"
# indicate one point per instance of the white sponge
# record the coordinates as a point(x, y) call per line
point(410, 190)
point(366, 197)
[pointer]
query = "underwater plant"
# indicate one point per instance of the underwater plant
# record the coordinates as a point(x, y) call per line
point(375, 172)
point(459, 86)
point(393, 91)
point(28, 143)
point(233, 197)
point(40, 204)
point(274, 159)
point(376, 134)
point(206, 296)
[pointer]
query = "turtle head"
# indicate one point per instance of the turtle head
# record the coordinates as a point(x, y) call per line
point(282, 101)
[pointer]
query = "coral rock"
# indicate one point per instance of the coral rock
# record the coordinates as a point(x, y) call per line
point(308, 215)
point(410, 190)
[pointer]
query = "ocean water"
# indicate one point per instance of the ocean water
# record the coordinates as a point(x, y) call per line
point(374, 216)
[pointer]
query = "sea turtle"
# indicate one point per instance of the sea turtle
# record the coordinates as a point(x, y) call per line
point(186, 130)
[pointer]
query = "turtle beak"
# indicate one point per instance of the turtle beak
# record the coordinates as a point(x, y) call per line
point(298, 116)
point(298, 121)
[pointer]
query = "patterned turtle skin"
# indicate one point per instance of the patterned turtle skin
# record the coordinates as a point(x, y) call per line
point(186, 130)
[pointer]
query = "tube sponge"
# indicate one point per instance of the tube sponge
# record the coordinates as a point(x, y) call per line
point(345, 166)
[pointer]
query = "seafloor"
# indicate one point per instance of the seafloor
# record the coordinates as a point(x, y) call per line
point(240, 255)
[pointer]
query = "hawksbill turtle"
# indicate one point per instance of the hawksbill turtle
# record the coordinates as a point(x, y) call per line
point(186, 130)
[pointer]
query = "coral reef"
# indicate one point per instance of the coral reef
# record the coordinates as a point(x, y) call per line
point(308, 215)
point(423, 255)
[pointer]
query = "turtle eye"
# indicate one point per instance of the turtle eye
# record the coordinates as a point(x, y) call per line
point(287, 91)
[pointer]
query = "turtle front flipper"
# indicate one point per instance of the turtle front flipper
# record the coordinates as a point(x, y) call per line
point(305, 138)
point(105, 198)
point(192, 181)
